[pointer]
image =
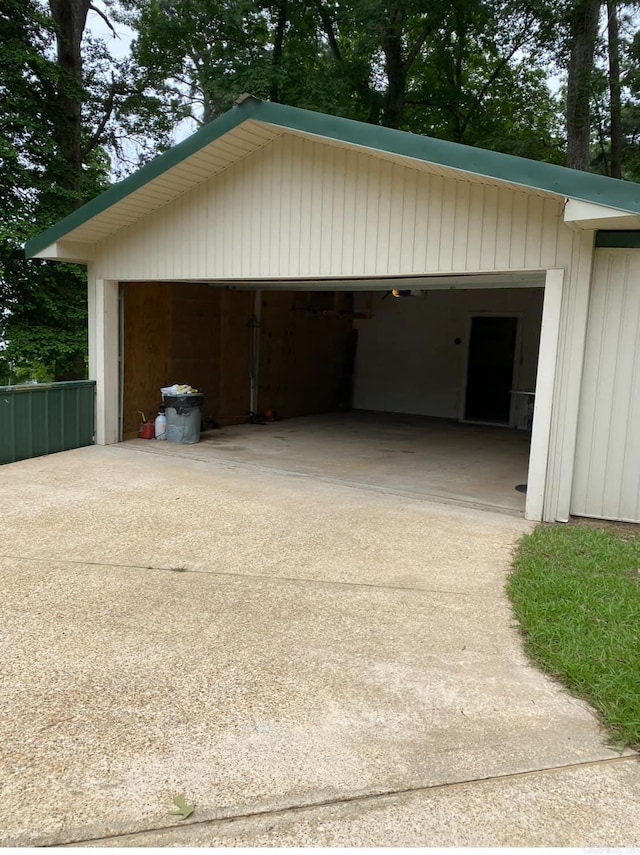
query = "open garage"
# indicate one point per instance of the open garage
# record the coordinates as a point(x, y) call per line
point(411, 309)
point(430, 389)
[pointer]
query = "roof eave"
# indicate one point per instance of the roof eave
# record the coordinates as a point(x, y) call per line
point(159, 165)
point(66, 250)
point(586, 215)
point(620, 197)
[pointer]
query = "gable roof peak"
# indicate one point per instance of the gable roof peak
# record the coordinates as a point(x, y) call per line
point(260, 121)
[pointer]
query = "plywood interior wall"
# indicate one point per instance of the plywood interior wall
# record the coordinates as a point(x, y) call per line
point(184, 333)
point(188, 333)
point(305, 352)
point(145, 351)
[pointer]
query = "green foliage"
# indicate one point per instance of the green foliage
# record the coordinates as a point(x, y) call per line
point(47, 325)
point(576, 594)
point(28, 80)
point(43, 321)
point(630, 112)
point(473, 72)
point(468, 72)
point(29, 196)
point(43, 314)
point(484, 81)
point(600, 87)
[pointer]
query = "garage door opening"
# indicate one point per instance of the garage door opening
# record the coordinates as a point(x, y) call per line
point(419, 391)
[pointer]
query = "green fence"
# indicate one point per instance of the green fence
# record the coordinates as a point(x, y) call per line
point(45, 418)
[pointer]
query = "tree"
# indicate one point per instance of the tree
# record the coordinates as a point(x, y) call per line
point(28, 86)
point(583, 31)
point(390, 62)
point(198, 54)
point(69, 19)
point(61, 113)
point(43, 322)
point(482, 81)
point(614, 123)
point(630, 113)
point(615, 93)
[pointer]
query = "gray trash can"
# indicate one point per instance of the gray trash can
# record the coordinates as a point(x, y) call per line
point(184, 416)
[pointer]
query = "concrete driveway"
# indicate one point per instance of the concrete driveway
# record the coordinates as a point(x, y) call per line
point(310, 663)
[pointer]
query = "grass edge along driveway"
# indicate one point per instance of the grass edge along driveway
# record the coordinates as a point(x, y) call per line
point(575, 590)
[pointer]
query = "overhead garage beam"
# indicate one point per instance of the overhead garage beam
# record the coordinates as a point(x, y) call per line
point(506, 279)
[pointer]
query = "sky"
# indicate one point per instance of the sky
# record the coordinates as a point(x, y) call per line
point(118, 47)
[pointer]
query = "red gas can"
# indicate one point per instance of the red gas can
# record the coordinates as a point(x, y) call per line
point(147, 430)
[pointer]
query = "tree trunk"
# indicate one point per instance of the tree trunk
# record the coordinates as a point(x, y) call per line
point(396, 90)
point(391, 43)
point(614, 89)
point(278, 46)
point(459, 48)
point(360, 83)
point(69, 17)
point(583, 29)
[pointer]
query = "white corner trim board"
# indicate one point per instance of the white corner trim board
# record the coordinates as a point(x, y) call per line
point(103, 297)
point(545, 384)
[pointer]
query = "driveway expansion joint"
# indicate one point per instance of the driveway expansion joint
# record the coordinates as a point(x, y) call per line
point(231, 464)
point(344, 800)
point(255, 576)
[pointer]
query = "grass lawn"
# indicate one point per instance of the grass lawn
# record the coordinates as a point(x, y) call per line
point(576, 593)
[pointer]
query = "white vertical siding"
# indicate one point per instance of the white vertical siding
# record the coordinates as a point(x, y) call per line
point(564, 422)
point(607, 466)
point(301, 208)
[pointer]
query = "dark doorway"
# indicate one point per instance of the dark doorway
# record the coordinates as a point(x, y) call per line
point(492, 347)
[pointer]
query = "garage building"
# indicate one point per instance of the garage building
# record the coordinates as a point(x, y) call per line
point(285, 259)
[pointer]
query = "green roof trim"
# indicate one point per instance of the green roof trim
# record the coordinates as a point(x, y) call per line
point(585, 186)
point(548, 177)
point(618, 239)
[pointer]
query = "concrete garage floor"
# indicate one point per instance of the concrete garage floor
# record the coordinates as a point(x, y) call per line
point(311, 663)
point(413, 455)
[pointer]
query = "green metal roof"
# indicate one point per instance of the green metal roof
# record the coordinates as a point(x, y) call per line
point(569, 183)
